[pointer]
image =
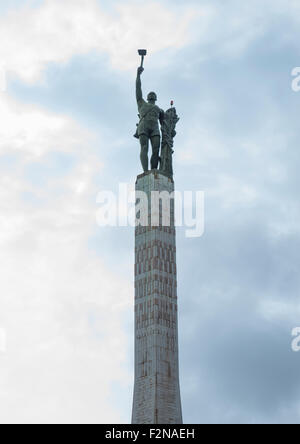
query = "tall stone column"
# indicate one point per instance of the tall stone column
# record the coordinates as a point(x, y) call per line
point(156, 387)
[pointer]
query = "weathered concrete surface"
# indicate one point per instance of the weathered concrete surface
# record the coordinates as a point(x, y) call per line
point(156, 389)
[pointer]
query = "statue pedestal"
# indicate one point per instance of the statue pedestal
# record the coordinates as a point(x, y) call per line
point(156, 387)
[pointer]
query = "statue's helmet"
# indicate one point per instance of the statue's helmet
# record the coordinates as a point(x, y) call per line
point(152, 96)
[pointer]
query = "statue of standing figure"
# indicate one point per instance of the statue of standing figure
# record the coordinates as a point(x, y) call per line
point(148, 128)
point(150, 114)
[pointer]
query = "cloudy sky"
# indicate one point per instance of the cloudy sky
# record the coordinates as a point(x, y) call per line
point(67, 115)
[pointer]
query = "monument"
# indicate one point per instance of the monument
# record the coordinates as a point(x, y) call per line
point(156, 398)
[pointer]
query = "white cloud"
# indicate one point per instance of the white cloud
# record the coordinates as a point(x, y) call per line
point(34, 132)
point(55, 31)
point(30, 38)
point(60, 306)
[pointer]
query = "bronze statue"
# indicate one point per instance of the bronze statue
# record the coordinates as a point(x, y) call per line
point(148, 128)
point(168, 134)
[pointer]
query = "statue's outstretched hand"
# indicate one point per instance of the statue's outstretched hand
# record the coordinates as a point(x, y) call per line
point(140, 70)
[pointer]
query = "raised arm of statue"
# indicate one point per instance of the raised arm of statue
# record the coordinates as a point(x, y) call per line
point(139, 94)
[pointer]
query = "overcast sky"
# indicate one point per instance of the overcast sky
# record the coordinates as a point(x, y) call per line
point(67, 116)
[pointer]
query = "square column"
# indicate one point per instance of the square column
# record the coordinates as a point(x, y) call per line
point(156, 387)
